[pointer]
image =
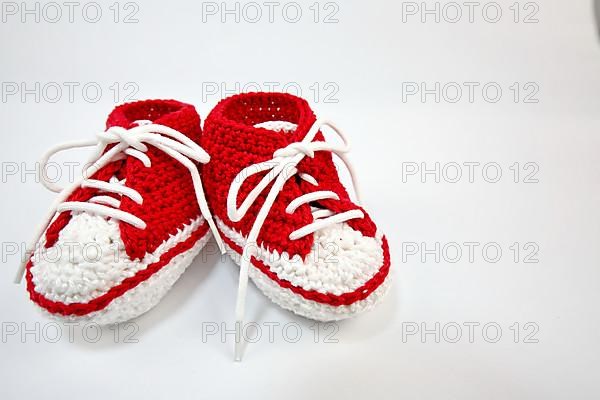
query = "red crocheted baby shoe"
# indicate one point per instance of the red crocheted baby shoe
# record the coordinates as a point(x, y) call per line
point(282, 212)
point(117, 239)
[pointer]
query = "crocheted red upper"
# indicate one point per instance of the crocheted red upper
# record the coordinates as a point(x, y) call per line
point(233, 141)
point(169, 200)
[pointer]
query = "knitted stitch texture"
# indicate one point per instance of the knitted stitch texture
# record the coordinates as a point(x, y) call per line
point(170, 210)
point(234, 142)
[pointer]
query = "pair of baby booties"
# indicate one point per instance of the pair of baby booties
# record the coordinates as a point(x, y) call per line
point(259, 177)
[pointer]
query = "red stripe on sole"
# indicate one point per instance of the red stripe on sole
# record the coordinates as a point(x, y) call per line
point(334, 300)
point(99, 303)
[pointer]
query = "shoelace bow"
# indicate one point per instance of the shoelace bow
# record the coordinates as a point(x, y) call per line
point(280, 169)
point(127, 142)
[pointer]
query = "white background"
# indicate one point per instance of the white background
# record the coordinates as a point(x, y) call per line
point(367, 57)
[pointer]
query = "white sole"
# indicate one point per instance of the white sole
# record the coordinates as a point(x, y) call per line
point(144, 296)
point(298, 304)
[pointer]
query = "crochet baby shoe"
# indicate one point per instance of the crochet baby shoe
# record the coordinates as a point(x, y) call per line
point(117, 239)
point(279, 206)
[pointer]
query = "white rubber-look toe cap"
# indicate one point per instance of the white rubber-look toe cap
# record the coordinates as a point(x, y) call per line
point(341, 261)
point(85, 262)
point(89, 259)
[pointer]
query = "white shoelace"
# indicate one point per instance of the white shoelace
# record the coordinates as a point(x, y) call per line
point(127, 142)
point(281, 168)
